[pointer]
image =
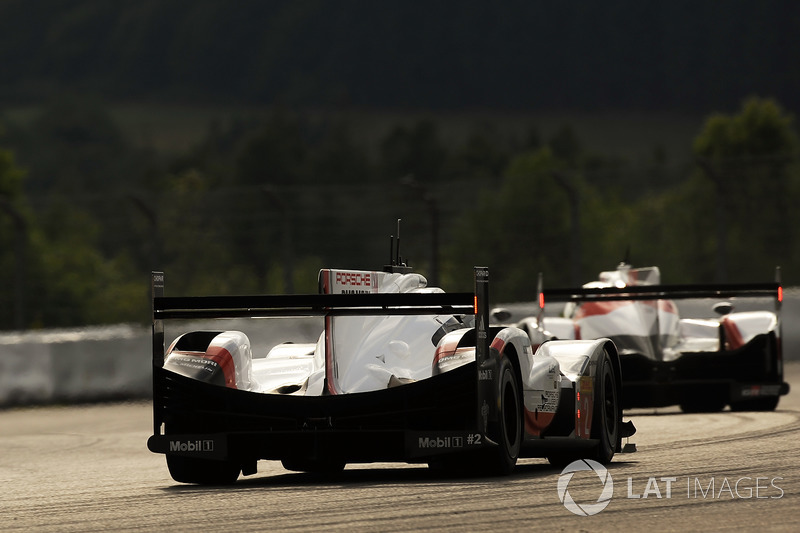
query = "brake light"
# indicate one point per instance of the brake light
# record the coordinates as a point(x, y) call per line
point(780, 294)
point(541, 300)
point(475, 305)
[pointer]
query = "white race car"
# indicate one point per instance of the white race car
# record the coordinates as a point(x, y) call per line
point(701, 364)
point(400, 372)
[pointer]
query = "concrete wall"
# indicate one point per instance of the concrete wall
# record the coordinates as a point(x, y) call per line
point(87, 364)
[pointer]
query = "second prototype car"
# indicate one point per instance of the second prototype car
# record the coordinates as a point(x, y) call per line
point(701, 364)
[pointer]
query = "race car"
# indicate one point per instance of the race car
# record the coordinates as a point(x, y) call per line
point(700, 364)
point(400, 372)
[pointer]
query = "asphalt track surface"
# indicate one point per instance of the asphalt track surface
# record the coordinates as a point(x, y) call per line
point(87, 468)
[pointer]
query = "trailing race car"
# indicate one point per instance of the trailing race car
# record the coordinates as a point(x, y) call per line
point(400, 372)
point(700, 364)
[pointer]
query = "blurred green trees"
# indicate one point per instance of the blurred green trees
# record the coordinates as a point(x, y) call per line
point(14, 239)
point(750, 162)
point(259, 205)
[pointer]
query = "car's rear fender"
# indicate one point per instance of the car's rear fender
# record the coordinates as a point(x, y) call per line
point(579, 361)
point(219, 357)
point(741, 328)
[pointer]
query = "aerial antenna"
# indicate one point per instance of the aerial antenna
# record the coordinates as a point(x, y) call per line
point(396, 263)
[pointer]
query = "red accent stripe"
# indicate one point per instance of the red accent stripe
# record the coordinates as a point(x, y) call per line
point(535, 423)
point(223, 358)
point(598, 308)
point(603, 308)
point(498, 344)
point(733, 337)
point(444, 350)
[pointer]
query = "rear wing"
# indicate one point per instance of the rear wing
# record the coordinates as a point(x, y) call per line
point(666, 292)
point(323, 305)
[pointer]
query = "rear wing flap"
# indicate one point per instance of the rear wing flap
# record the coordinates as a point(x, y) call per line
point(666, 292)
point(202, 307)
point(663, 292)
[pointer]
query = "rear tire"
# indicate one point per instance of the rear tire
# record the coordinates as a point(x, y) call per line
point(202, 471)
point(607, 414)
point(503, 459)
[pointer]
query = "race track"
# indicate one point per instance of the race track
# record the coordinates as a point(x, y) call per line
point(87, 469)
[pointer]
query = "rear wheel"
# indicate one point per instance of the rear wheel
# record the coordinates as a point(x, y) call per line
point(607, 414)
point(501, 460)
point(202, 471)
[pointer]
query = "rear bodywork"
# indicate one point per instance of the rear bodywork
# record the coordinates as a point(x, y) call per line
point(701, 364)
point(400, 372)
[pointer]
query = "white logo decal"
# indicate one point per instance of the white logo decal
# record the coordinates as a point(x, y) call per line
point(586, 509)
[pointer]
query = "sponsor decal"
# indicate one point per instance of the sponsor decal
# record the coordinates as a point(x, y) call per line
point(445, 441)
point(354, 282)
point(200, 445)
point(441, 442)
point(196, 362)
point(545, 404)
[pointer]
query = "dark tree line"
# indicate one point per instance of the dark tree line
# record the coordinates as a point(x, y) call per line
point(679, 55)
point(260, 206)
